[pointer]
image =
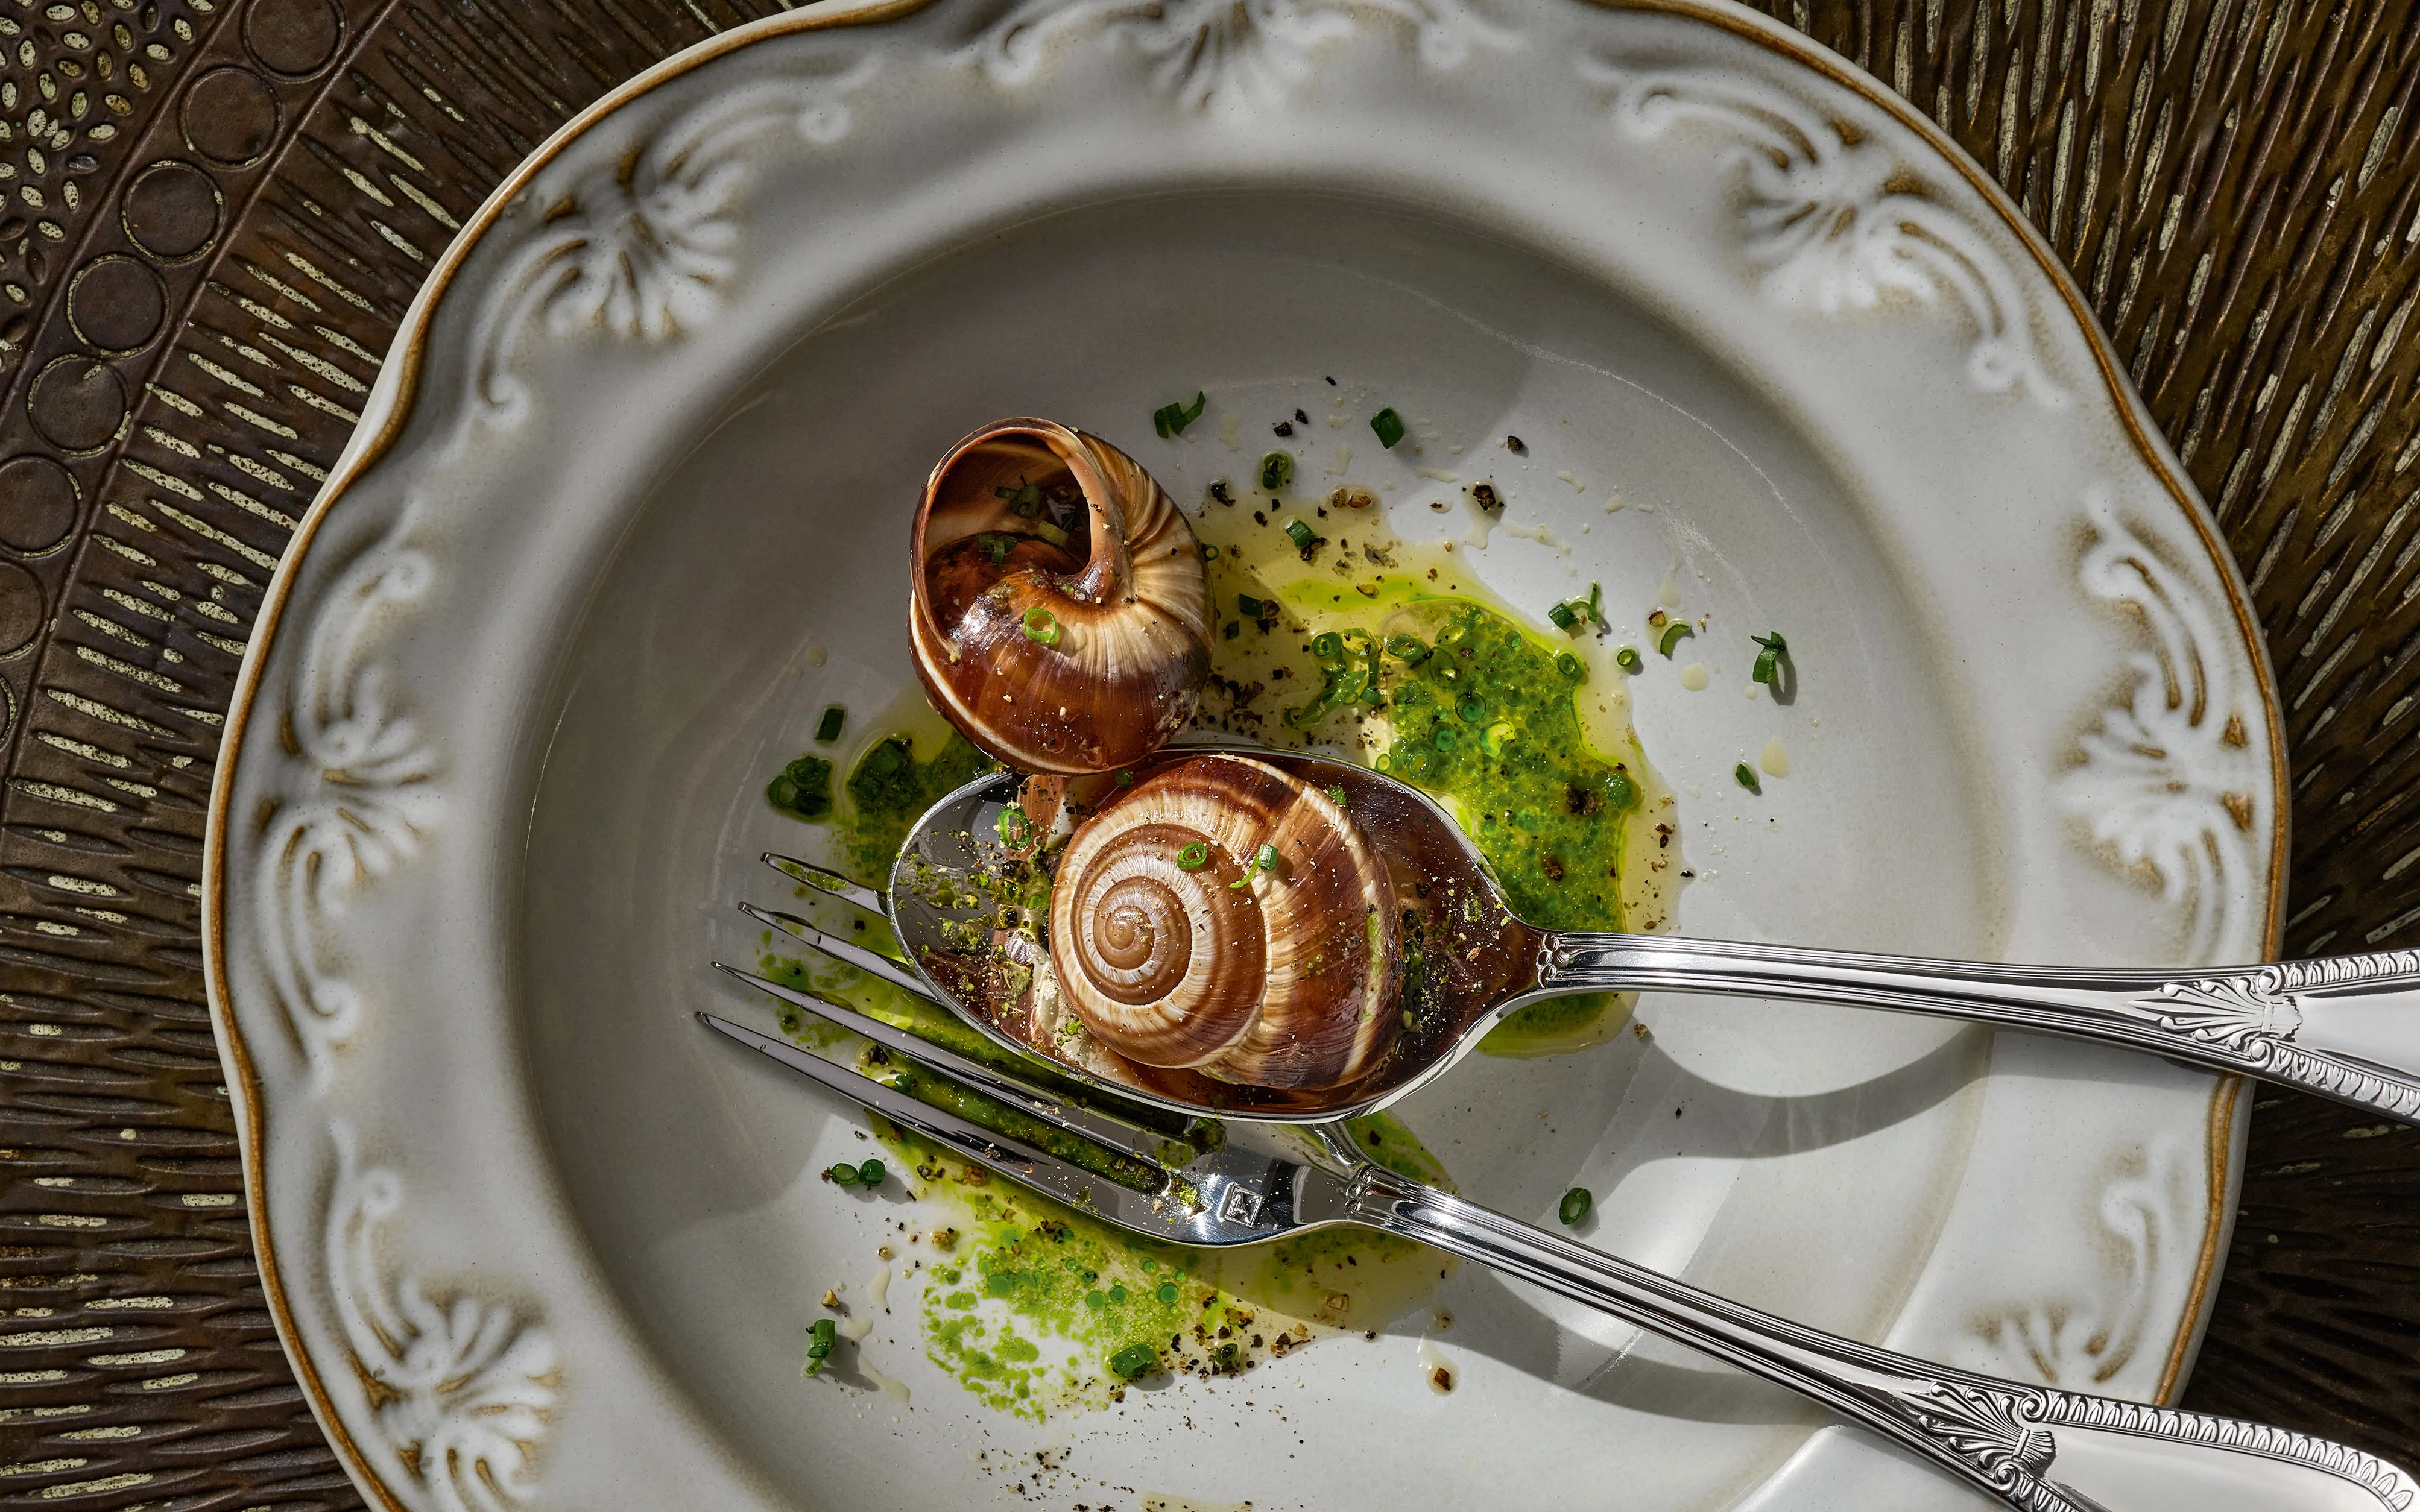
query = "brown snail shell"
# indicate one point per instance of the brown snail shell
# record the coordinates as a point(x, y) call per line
point(1127, 593)
point(1292, 980)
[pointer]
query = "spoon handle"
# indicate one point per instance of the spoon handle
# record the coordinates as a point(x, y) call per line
point(2036, 1448)
point(2342, 1026)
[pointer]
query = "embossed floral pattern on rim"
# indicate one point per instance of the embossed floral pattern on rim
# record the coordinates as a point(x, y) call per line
point(405, 375)
point(364, 449)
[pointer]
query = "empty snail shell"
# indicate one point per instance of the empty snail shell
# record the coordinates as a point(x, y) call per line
point(1060, 617)
point(1175, 950)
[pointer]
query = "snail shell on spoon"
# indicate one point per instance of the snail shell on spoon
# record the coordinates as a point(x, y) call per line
point(1289, 979)
point(1060, 617)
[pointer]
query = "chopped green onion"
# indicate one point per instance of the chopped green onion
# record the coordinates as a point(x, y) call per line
point(1231, 630)
point(1171, 419)
point(1125, 780)
point(843, 1175)
point(821, 1337)
point(1575, 1206)
point(1311, 712)
point(1277, 469)
point(1327, 645)
point(1627, 660)
point(1407, 649)
point(1014, 828)
point(803, 789)
point(1672, 634)
point(1563, 616)
point(1747, 778)
point(1299, 534)
point(1193, 857)
point(1041, 627)
point(1209, 552)
point(1596, 603)
point(1134, 1360)
point(828, 728)
point(996, 545)
point(1620, 792)
point(1264, 859)
point(870, 1173)
point(1768, 661)
point(1336, 795)
point(1248, 607)
point(1024, 501)
point(1570, 665)
point(1050, 532)
point(1388, 424)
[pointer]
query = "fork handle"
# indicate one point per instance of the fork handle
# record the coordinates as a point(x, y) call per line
point(2035, 1447)
point(2343, 1027)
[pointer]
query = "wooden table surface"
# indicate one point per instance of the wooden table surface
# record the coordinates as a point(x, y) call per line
point(217, 213)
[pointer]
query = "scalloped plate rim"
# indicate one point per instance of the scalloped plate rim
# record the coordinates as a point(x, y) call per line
point(396, 389)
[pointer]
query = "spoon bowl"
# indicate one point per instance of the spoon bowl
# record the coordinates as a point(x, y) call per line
point(1478, 961)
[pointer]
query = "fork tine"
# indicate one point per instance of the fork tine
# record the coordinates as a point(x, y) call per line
point(825, 879)
point(872, 962)
point(1101, 1128)
point(1011, 1158)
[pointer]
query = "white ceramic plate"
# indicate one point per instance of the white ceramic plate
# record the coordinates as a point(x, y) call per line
point(628, 509)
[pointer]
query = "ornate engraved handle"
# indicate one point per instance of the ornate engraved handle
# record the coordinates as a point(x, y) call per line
point(2035, 1448)
point(2345, 1026)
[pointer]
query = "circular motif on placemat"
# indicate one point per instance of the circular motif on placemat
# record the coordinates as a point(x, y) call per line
point(172, 211)
point(293, 37)
point(231, 116)
point(77, 403)
point(115, 303)
point(37, 503)
point(21, 606)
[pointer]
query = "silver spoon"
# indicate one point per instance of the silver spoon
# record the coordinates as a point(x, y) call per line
point(2345, 1027)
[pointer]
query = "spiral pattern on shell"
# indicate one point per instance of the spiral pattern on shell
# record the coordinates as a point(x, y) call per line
point(1291, 980)
point(1123, 646)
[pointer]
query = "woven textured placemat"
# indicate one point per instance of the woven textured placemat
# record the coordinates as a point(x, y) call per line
point(215, 213)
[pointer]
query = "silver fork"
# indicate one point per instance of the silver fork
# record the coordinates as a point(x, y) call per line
point(1244, 1182)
